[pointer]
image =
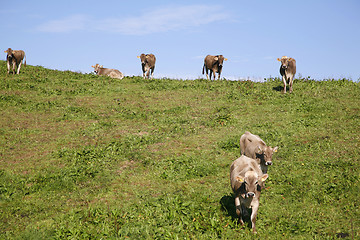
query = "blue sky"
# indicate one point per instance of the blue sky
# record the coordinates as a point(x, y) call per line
point(322, 35)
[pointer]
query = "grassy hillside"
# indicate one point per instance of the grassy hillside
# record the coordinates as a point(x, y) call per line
point(92, 157)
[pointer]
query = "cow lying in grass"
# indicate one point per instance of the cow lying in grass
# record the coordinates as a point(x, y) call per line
point(113, 73)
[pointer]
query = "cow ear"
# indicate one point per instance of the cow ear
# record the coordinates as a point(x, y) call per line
point(279, 59)
point(264, 177)
point(216, 58)
point(92, 66)
point(225, 59)
point(138, 56)
point(275, 149)
point(240, 179)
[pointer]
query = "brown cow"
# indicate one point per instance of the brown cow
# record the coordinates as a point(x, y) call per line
point(254, 147)
point(214, 64)
point(287, 71)
point(113, 73)
point(14, 59)
point(147, 64)
point(246, 180)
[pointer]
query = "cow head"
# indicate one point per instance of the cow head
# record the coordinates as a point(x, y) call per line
point(264, 153)
point(252, 183)
point(97, 67)
point(9, 52)
point(220, 59)
point(284, 62)
point(143, 58)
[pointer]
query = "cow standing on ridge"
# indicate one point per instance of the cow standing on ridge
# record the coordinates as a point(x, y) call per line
point(246, 180)
point(214, 64)
point(147, 64)
point(287, 71)
point(14, 59)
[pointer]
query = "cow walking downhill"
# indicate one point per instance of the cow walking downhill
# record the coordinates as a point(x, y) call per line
point(14, 59)
point(287, 71)
point(214, 64)
point(147, 64)
point(254, 147)
point(246, 181)
point(113, 73)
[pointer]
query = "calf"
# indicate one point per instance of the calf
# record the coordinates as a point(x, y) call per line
point(147, 64)
point(214, 64)
point(287, 71)
point(246, 180)
point(254, 147)
point(14, 59)
point(113, 73)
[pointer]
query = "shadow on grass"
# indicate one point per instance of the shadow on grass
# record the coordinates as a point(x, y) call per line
point(228, 204)
point(279, 88)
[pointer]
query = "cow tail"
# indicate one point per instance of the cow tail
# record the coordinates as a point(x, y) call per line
point(203, 69)
point(25, 60)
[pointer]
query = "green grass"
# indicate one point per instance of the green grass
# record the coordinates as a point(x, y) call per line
point(88, 157)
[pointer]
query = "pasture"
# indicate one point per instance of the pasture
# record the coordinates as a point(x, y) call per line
point(88, 157)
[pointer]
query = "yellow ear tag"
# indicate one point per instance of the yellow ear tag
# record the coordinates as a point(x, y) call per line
point(240, 179)
point(275, 150)
point(264, 177)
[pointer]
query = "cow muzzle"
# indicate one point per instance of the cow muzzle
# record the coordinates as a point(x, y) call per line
point(250, 194)
point(268, 163)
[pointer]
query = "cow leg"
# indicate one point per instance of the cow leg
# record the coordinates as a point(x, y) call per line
point(284, 81)
point(212, 73)
point(219, 76)
point(253, 217)
point(18, 68)
point(207, 74)
point(14, 67)
point(152, 72)
point(291, 83)
point(8, 66)
point(239, 210)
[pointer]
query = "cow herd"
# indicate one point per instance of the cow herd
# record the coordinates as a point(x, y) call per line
point(248, 174)
point(214, 64)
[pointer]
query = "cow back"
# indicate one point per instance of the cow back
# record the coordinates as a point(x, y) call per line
point(292, 66)
point(209, 61)
point(249, 144)
point(151, 59)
